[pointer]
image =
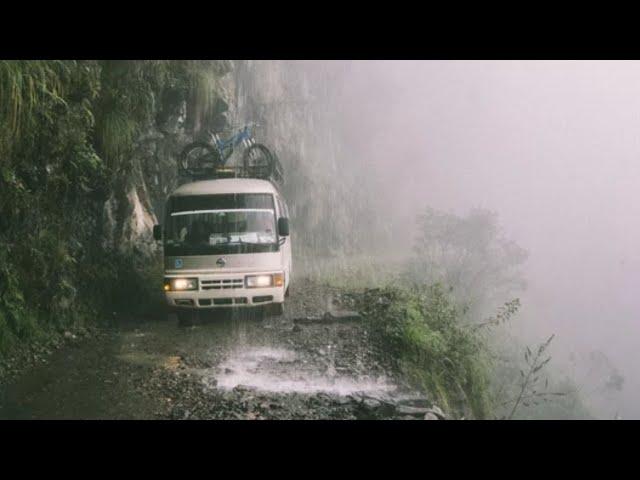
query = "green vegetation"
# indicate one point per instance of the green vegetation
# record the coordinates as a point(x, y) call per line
point(470, 255)
point(525, 387)
point(69, 147)
point(468, 370)
point(431, 323)
point(419, 334)
point(68, 132)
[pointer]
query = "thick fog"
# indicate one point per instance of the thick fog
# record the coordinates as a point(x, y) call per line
point(552, 146)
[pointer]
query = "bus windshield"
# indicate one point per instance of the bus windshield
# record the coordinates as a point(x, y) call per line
point(246, 223)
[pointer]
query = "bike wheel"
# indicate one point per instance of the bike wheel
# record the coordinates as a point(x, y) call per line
point(198, 158)
point(258, 161)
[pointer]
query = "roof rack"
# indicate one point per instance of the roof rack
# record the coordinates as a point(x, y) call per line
point(208, 171)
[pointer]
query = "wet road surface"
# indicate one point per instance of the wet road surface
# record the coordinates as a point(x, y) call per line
point(229, 365)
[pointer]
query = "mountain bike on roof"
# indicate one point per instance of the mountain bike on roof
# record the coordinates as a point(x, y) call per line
point(204, 159)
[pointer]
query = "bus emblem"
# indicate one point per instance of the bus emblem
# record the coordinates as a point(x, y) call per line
point(178, 263)
point(221, 262)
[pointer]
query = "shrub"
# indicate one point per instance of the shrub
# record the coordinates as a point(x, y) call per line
point(418, 333)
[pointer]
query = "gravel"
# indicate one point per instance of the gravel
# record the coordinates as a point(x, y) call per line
point(226, 367)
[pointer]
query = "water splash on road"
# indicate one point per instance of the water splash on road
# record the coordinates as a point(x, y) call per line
point(281, 370)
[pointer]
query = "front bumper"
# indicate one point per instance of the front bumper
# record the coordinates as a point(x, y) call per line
point(222, 290)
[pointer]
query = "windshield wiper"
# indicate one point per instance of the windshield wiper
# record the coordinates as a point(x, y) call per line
point(242, 242)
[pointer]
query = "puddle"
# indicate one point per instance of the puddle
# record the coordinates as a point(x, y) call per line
point(280, 371)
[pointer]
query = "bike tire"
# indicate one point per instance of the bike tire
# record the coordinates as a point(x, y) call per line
point(211, 152)
point(265, 170)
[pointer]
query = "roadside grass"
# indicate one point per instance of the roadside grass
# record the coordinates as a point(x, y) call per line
point(555, 394)
point(350, 272)
point(419, 334)
point(416, 331)
point(571, 405)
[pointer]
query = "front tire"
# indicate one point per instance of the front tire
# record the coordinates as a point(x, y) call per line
point(276, 309)
point(186, 318)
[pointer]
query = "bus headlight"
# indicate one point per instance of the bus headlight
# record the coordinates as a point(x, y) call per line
point(180, 284)
point(258, 281)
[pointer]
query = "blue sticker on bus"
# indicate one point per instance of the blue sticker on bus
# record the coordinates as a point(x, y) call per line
point(178, 263)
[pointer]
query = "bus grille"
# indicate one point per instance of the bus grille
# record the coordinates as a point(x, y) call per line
point(222, 284)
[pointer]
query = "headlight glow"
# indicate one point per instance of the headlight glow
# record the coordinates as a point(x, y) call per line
point(178, 284)
point(262, 281)
point(257, 281)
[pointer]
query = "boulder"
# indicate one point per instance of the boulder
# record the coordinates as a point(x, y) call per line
point(416, 411)
point(438, 412)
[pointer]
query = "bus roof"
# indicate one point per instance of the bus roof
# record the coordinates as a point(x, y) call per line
point(225, 185)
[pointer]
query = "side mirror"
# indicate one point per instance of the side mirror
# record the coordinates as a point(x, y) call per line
point(157, 232)
point(283, 227)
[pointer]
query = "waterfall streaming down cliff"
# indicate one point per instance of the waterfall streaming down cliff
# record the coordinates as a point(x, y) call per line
point(298, 105)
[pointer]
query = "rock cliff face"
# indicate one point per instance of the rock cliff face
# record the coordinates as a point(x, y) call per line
point(297, 105)
point(136, 203)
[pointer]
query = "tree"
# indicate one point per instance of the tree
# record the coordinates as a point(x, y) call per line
point(469, 255)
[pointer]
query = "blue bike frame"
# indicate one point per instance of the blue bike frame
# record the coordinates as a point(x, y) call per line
point(243, 135)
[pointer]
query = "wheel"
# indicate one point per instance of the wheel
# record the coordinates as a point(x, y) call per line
point(276, 309)
point(257, 161)
point(186, 318)
point(199, 158)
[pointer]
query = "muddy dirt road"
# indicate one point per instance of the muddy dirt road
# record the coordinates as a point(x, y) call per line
point(227, 366)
